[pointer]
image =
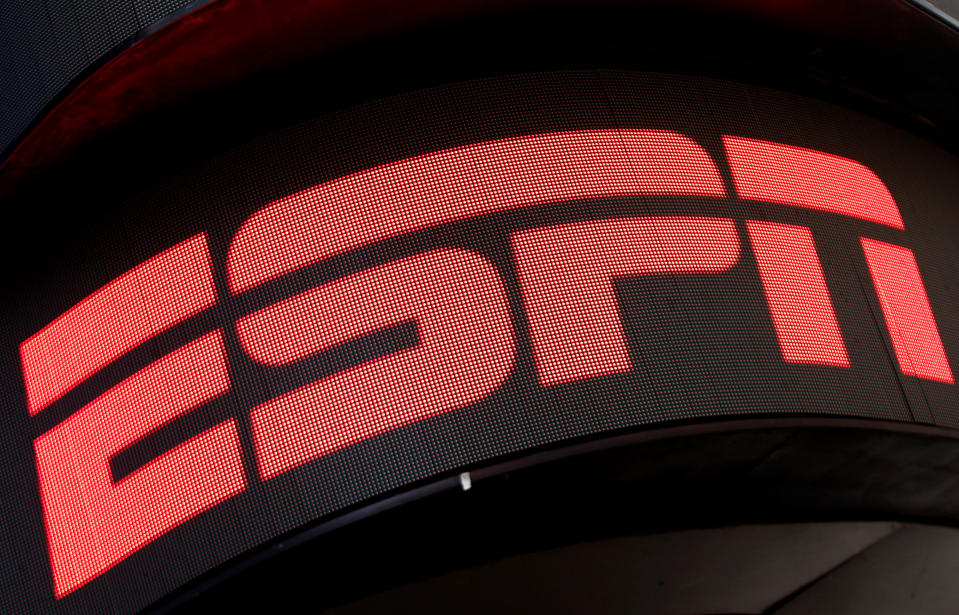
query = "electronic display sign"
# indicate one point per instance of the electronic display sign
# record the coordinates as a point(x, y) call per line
point(416, 286)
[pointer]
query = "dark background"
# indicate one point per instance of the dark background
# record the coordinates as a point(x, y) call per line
point(703, 346)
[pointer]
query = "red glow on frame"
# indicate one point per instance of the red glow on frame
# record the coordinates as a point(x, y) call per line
point(567, 274)
point(789, 175)
point(905, 307)
point(140, 304)
point(465, 352)
point(92, 522)
point(796, 292)
point(460, 183)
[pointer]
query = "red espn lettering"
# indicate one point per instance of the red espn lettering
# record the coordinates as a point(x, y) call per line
point(905, 306)
point(93, 523)
point(465, 351)
point(789, 175)
point(128, 311)
point(464, 182)
point(567, 273)
point(455, 298)
point(796, 291)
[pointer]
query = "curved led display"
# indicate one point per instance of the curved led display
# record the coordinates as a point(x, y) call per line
point(403, 290)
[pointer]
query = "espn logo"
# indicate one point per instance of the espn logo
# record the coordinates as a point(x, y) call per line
point(456, 298)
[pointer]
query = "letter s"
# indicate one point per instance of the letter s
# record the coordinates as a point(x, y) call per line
point(459, 306)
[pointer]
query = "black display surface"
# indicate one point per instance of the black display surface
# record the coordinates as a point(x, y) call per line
point(48, 45)
point(413, 287)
